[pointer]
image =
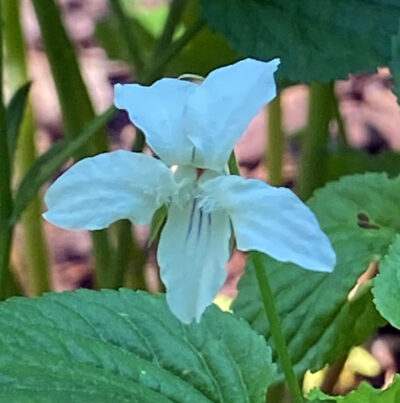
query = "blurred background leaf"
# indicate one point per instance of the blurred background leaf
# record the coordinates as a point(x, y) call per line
point(346, 37)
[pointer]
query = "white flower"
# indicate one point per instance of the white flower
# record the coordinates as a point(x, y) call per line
point(195, 127)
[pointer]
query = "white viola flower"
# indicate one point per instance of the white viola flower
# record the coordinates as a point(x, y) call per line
point(194, 126)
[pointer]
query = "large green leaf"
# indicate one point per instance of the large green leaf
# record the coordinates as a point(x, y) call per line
point(317, 40)
point(360, 215)
point(364, 394)
point(126, 346)
point(387, 285)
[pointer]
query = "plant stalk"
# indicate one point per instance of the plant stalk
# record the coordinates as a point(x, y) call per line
point(6, 202)
point(175, 12)
point(276, 142)
point(77, 110)
point(127, 36)
point(311, 170)
point(164, 57)
point(36, 257)
point(278, 336)
point(342, 134)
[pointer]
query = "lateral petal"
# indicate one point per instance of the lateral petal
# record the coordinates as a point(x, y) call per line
point(273, 221)
point(99, 190)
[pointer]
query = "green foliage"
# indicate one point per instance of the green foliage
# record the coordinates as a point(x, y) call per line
point(15, 114)
point(126, 346)
point(76, 106)
point(360, 215)
point(45, 167)
point(352, 161)
point(387, 285)
point(108, 34)
point(364, 394)
point(205, 52)
point(316, 40)
point(395, 64)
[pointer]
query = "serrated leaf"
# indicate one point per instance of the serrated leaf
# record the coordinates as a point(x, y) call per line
point(364, 394)
point(126, 346)
point(15, 113)
point(316, 40)
point(387, 285)
point(47, 164)
point(321, 320)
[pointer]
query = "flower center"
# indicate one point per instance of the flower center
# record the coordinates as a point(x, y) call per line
point(189, 180)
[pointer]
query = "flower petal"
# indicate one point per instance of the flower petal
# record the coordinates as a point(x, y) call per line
point(221, 108)
point(273, 221)
point(99, 190)
point(192, 254)
point(158, 110)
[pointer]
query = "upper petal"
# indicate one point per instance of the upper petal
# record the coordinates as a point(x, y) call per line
point(192, 254)
point(220, 109)
point(158, 111)
point(273, 221)
point(99, 190)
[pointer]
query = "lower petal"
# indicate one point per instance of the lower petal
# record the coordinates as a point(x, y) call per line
point(192, 254)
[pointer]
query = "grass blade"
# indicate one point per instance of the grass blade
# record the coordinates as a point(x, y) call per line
point(15, 114)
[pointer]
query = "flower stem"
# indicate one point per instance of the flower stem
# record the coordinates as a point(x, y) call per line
point(275, 142)
point(311, 170)
point(36, 258)
point(175, 47)
point(233, 165)
point(176, 9)
point(77, 109)
point(126, 35)
point(130, 257)
point(6, 202)
point(342, 134)
point(278, 336)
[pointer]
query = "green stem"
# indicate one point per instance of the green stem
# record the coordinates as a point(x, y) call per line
point(176, 9)
point(131, 257)
point(126, 34)
point(77, 109)
point(36, 258)
point(6, 202)
point(163, 59)
point(233, 165)
point(276, 142)
point(278, 336)
point(311, 170)
point(339, 119)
